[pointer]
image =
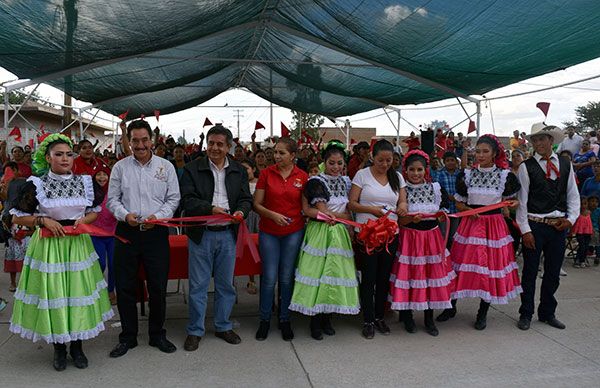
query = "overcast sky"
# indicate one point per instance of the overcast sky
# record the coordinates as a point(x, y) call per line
point(504, 115)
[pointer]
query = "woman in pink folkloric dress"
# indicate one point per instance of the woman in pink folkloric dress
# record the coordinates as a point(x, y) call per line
point(482, 251)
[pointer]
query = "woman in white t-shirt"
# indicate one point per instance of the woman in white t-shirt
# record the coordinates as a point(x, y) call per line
point(375, 191)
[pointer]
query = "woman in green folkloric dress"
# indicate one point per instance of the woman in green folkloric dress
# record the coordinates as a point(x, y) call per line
point(62, 294)
point(326, 276)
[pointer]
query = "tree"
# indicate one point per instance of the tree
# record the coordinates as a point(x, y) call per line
point(435, 124)
point(308, 122)
point(589, 115)
point(16, 98)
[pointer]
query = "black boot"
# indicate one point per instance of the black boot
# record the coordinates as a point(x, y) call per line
point(60, 357)
point(263, 330)
point(481, 321)
point(429, 324)
point(406, 316)
point(315, 327)
point(326, 324)
point(286, 330)
point(447, 313)
point(79, 359)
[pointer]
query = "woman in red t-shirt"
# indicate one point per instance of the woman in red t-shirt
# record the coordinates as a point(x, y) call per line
point(278, 201)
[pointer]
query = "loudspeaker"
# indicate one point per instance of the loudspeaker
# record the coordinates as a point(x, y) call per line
point(427, 143)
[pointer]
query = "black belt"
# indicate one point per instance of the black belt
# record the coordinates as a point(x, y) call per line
point(66, 222)
point(217, 228)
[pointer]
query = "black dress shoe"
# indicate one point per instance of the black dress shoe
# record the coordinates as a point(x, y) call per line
point(79, 358)
point(191, 343)
point(524, 323)
point(229, 336)
point(446, 315)
point(60, 357)
point(368, 330)
point(326, 325)
point(382, 327)
point(554, 323)
point(121, 349)
point(163, 344)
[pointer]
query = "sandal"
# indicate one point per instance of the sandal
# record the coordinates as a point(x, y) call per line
point(251, 288)
point(12, 288)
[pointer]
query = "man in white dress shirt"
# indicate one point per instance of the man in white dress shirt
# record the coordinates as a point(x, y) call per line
point(548, 206)
point(142, 187)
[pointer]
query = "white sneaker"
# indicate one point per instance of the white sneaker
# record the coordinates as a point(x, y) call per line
point(2, 304)
point(562, 272)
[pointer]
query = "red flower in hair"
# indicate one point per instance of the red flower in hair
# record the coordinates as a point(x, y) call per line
point(422, 154)
point(500, 161)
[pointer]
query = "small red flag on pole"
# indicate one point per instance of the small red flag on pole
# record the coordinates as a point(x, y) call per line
point(16, 132)
point(123, 115)
point(156, 114)
point(207, 122)
point(544, 107)
point(472, 127)
point(258, 125)
point(142, 116)
point(285, 132)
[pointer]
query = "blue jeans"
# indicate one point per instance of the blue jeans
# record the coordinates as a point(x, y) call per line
point(278, 254)
point(105, 248)
point(215, 254)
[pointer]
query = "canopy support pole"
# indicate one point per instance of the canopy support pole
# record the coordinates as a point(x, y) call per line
point(347, 126)
point(23, 103)
point(478, 118)
point(90, 123)
point(271, 98)
point(398, 129)
point(80, 118)
point(6, 110)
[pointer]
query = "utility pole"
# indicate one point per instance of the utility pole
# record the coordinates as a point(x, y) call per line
point(238, 115)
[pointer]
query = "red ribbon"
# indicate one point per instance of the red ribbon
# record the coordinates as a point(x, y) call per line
point(373, 234)
point(92, 230)
point(244, 239)
point(466, 213)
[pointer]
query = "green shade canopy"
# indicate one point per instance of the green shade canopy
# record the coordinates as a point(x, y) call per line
point(330, 57)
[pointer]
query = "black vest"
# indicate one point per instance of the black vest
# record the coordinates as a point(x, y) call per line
point(547, 195)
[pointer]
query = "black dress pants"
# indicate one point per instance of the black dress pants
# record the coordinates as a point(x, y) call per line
point(552, 243)
point(375, 280)
point(150, 249)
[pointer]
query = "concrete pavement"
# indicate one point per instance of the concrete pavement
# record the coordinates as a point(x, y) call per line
point(500, 356)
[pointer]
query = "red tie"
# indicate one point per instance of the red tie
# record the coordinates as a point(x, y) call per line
point(550, 167)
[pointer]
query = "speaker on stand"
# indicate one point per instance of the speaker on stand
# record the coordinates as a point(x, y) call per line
point(427, 141)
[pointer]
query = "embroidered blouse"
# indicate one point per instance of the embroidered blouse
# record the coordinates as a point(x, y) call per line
point(486, 186)
point(333, 190)
point(426, 198)
point(60, 197)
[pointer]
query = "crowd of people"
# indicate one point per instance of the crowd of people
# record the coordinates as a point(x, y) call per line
point(460, 215)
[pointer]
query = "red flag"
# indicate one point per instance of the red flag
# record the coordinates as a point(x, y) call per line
point(31, 143)
point(472, 127)
point(156, 114)
point(109, 146)
point(258, 126)
point(207, 122)
point(353, 141)
point(285, 132)
point(42, 137)
point(543, 106)
point(123, 115)
point(16, 132)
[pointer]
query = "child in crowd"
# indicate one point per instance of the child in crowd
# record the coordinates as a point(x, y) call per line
point(422, 273)
point(105, 246)
point(583, 231)
point(253, 217)
point(595, 216)
point(313, 169)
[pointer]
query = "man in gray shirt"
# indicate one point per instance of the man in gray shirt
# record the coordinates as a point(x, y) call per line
point(142, 187)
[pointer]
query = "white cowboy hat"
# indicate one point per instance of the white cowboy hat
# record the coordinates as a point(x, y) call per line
point(551, 130)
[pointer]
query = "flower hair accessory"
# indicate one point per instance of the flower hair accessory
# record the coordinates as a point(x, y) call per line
point(500, 161)
point(422, 154)
point(40, 165)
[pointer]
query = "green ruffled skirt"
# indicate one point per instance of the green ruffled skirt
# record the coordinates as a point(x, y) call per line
point(62, 294)
point(326, 276)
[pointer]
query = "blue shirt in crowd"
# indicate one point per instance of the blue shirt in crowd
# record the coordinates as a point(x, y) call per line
point(590, 187)
point(447, 180)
